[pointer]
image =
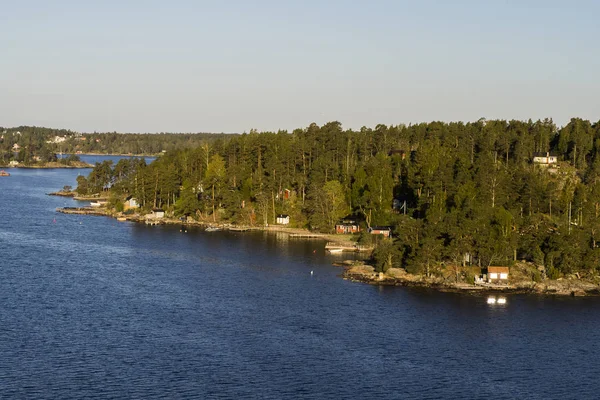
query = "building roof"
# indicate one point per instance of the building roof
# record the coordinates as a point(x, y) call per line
point(283, 216)
point(158, 210)
point(498, 270)
point(381, 228)
point(543, 154)
point(347, 222)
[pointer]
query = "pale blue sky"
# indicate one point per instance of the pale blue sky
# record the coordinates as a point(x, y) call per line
point(229, 66)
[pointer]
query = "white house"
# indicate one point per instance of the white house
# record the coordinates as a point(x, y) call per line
point(57, 139)
point(157, 213)
point(544, 158)
point(283, 219)
point(131, 202)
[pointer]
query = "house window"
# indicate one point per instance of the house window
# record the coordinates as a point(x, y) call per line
point(503, 275)
point(493, 275)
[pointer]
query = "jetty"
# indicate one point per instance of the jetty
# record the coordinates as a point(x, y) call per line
point(307, 235)
point(334, 247)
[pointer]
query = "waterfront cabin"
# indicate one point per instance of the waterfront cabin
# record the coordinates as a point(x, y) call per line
point(283, 219)
point(131, 202)
point(497, 274)
point(157, 213)
point(544, 158)
point(13, 163)
point(346, 227)
point(385, 231)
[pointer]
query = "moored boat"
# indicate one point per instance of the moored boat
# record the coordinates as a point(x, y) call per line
point(4, 173)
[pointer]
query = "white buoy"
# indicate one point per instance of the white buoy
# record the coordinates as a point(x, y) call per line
point(311, 272)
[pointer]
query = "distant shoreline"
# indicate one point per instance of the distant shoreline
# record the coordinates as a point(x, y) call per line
point(116, 154)
point(52, 165)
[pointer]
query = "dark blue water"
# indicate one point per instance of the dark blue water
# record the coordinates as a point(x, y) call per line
point(94, 308)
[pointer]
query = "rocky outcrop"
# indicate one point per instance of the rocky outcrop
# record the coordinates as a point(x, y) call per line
point(399, 277)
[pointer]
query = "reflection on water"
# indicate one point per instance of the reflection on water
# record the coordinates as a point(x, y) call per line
point(500, 300)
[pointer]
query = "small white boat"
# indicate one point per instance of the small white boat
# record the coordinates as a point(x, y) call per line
point(501, 300)
point(95, 204)
point(212, 229)
point(491, 300)
point(335, 251)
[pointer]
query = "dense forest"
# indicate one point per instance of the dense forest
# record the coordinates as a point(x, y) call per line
point(453, 192)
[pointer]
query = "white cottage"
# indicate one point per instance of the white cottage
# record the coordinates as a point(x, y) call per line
point(544, 158)
point(131, 202)
point(157, 213)
point(283, 219)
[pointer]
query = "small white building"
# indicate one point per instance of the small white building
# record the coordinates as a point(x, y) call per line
point(157, 213)
point(544, 158)
point(283, 219)
point(131, 202)
point(13, 163)
point(57, 139)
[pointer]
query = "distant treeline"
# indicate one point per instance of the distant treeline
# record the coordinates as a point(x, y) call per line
point(42, 142)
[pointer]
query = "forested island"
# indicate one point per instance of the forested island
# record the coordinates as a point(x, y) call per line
point(28, 145)
point(454, 194)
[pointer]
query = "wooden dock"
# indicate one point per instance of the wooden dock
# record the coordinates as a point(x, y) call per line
point(307, 235)
point(347, 247)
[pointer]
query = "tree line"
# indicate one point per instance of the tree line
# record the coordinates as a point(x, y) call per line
point(40, 142)
point(469, 191)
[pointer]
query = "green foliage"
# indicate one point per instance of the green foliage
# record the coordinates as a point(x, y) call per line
point(386, 256)
point(82, 185)
point(116, 204)
point(553, 273)
point(472, 193)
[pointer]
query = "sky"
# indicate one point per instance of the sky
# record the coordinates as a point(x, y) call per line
point(232, 66)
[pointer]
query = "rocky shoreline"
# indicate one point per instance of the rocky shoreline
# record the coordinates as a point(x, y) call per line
point(365, 273)
point(101, 211)
point(398, 277)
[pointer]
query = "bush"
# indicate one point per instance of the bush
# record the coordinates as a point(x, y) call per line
point(553, 273)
